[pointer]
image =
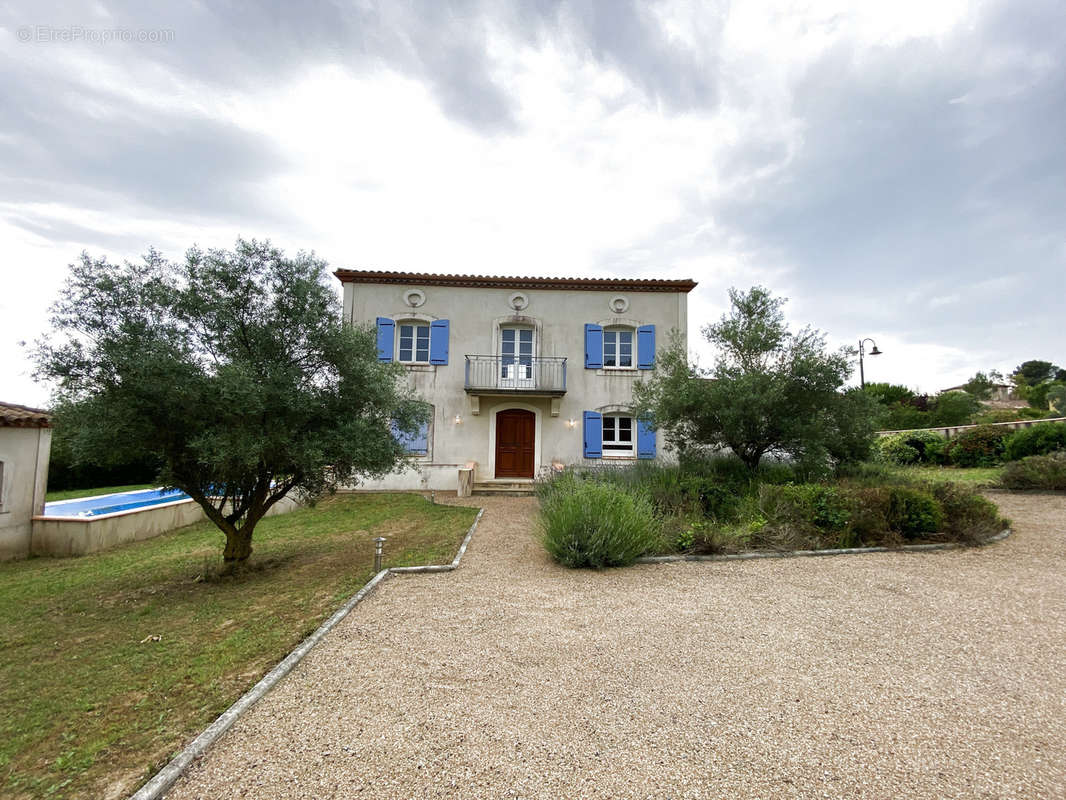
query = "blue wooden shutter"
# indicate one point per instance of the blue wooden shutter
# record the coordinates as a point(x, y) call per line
point(438, 341)
point(593, 435)
point(417, 443)
point(593, 346)
point(386, 331)
point(645, 440)
point(646, 347)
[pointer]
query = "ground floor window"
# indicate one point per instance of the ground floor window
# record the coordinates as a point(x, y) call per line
point(417, 443)
point(617, 436)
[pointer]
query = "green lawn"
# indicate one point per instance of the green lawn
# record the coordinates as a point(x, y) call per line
point(71, 494)
point(91, 705)
point(974, 476)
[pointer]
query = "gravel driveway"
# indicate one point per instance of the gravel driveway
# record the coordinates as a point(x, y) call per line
point(887, 675)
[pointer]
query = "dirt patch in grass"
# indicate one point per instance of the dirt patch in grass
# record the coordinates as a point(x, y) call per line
point(115, 660)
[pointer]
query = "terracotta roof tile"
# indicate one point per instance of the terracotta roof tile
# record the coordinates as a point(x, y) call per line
point(16, 416)
point(510, 282)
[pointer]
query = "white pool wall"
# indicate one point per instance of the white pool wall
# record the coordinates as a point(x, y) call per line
point(79, 536)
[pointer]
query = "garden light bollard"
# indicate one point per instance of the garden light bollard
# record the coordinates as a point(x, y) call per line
point(379, 544)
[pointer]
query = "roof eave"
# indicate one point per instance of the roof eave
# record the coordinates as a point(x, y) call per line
point(510, 282)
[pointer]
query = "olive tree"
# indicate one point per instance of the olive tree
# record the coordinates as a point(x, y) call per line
point(770, 390)
point(232, 370)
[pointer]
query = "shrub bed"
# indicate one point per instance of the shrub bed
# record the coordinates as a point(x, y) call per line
point(1036, 472)
point(609, 517)
point(984, 446)
point(1039, 440)
point(978, 447)
point(912, 447)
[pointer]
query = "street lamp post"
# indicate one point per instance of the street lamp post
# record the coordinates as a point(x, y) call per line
point(873, 351)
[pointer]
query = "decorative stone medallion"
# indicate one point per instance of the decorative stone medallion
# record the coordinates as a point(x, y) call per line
point(414, 297)
point(619, 304)
point(518, 301)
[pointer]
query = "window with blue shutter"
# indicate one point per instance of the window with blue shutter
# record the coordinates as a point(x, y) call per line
point(438, 341)
point(645, 440)
point(415, 444)
point(617, 348)
point(386, 330)
point(646, 347)
point(593, 435)
point(593, 346)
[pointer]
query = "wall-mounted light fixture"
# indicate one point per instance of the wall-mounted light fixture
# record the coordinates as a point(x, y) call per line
point(458, 419)
point(571, 423)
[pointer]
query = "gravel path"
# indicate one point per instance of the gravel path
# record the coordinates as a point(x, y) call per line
point(882, 676)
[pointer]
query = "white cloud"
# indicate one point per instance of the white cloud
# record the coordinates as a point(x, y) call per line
point(602, 165)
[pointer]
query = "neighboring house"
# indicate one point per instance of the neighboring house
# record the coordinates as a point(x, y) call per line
point(25, 445)
point(522, 374)
point(1000, 392)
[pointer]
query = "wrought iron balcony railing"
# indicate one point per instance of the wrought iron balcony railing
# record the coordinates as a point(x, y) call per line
point(489, 374)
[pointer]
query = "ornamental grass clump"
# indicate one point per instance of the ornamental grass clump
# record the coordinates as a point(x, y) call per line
point(595, 524)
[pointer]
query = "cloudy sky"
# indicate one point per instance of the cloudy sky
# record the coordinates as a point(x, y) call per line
point(897, 169)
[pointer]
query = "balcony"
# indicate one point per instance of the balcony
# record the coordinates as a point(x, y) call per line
point(506, 375)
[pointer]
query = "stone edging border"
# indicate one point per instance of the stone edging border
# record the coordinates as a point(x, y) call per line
point(163, 780)
point(907, 548)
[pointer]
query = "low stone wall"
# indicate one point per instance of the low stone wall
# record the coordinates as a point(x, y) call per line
point(955, 430)
point(79, 536)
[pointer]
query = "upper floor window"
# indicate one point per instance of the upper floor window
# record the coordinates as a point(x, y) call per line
point(413, 343)
point(618, 347)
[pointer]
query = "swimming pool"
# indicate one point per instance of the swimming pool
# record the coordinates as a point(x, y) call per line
point(112, 503)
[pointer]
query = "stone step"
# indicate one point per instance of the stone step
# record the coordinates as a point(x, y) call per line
point(506, 488)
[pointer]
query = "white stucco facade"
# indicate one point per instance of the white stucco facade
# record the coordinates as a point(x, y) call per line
point(25, 446)
point(468, 396)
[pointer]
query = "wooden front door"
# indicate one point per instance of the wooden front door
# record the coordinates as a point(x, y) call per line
point(515, 430)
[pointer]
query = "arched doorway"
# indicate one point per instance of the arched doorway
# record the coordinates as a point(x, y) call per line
point(515, 440)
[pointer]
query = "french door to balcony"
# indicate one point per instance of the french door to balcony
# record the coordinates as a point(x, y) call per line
point(516, 359)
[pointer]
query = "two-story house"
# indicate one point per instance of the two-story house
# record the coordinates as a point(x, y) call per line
point(521, 373)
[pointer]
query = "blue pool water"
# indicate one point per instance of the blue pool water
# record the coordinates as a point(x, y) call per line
point(110, 503)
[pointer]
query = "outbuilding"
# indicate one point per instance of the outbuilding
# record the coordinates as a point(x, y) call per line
point(25, 446)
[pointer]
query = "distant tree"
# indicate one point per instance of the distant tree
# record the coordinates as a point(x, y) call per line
point(1056, 397)
point(1033, 379)
point(67, 470)
point(232, 370)
point(953, 408)
point(903, 416)
point(981, 384)
point(1039, 396)
point(1035, 372)
point(770, 391)
point(888, 394)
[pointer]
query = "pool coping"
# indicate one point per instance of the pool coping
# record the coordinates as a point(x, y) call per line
point(165, 778)
point(113, 514)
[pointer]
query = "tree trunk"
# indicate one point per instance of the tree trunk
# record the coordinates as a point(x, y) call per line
point(238, 545)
